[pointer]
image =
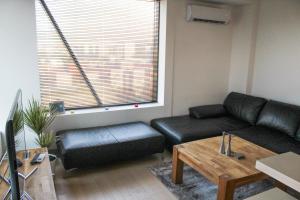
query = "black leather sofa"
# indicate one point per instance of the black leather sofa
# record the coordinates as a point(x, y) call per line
point(270, 124)
point(89, 147)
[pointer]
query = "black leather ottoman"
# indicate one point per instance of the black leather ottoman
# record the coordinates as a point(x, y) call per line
point(91, 147)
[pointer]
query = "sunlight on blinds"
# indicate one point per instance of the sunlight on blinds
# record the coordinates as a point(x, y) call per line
point(115, 42)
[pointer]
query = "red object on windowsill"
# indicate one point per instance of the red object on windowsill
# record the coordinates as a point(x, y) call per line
point(136, 105)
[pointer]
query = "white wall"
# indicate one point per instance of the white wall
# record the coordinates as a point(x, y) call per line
point(265, 58)
point(18, 55)
point(201, 61)
point(277, 56)
point(197, 62)
point(245, 19)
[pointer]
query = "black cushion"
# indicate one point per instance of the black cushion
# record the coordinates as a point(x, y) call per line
point(185, 128)
point(136, 139)
point(100, 145)
point(280, 116)
point(271, 139)
point(86, 147)
point(244, 107)
point(207, 111)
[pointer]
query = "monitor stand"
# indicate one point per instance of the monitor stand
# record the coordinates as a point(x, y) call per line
point(26, 154)
point(26, 196)
point(7, 194)
point(4, 179)
point(28, 175)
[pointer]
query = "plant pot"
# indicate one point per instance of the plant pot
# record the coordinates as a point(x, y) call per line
point(52, 159)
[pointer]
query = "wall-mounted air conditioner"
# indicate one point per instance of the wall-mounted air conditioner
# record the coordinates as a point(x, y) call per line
point(200, 13)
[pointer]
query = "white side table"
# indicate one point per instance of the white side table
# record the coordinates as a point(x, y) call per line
point(285, 168)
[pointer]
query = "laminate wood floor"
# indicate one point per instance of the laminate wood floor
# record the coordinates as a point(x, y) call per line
point(123, 181)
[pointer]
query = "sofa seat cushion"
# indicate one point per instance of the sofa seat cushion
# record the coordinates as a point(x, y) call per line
point(100, 145)
point(86, 138)
point(244, 107)
point(82, 147)
point(136, 139)
point(184, 128)
point(280, 116)
point(271, 139)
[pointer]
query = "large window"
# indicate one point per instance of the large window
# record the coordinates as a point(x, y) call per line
point(98, 53)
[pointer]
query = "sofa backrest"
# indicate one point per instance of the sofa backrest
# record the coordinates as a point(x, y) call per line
point(244, 107)
point(280, 116)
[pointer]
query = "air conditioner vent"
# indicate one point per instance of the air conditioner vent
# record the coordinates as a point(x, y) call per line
point(209, 21)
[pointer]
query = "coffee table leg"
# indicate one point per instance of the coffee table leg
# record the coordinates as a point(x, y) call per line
point(226, 188)
point(177, 168)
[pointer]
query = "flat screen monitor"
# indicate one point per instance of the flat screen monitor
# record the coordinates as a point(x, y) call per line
point(16, 145)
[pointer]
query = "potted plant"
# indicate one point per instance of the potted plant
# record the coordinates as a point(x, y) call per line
point(39, 118)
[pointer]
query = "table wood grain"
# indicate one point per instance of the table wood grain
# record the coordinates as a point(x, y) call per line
point(227, 172)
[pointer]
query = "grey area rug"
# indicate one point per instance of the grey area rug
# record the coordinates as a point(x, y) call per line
point(197, 187)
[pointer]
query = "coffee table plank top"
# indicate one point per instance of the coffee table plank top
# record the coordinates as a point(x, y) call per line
point(203, 155)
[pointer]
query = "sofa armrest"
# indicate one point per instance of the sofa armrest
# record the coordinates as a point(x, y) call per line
point(207, 111)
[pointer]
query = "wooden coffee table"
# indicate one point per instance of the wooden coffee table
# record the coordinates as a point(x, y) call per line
point(227, 172)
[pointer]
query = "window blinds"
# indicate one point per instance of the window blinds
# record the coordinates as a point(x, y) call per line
point(98, 53)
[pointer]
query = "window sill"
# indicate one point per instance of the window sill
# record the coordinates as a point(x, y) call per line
point(110, 109)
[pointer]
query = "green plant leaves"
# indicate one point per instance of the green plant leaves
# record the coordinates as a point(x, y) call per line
point(39, 118)
point(45, 139)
